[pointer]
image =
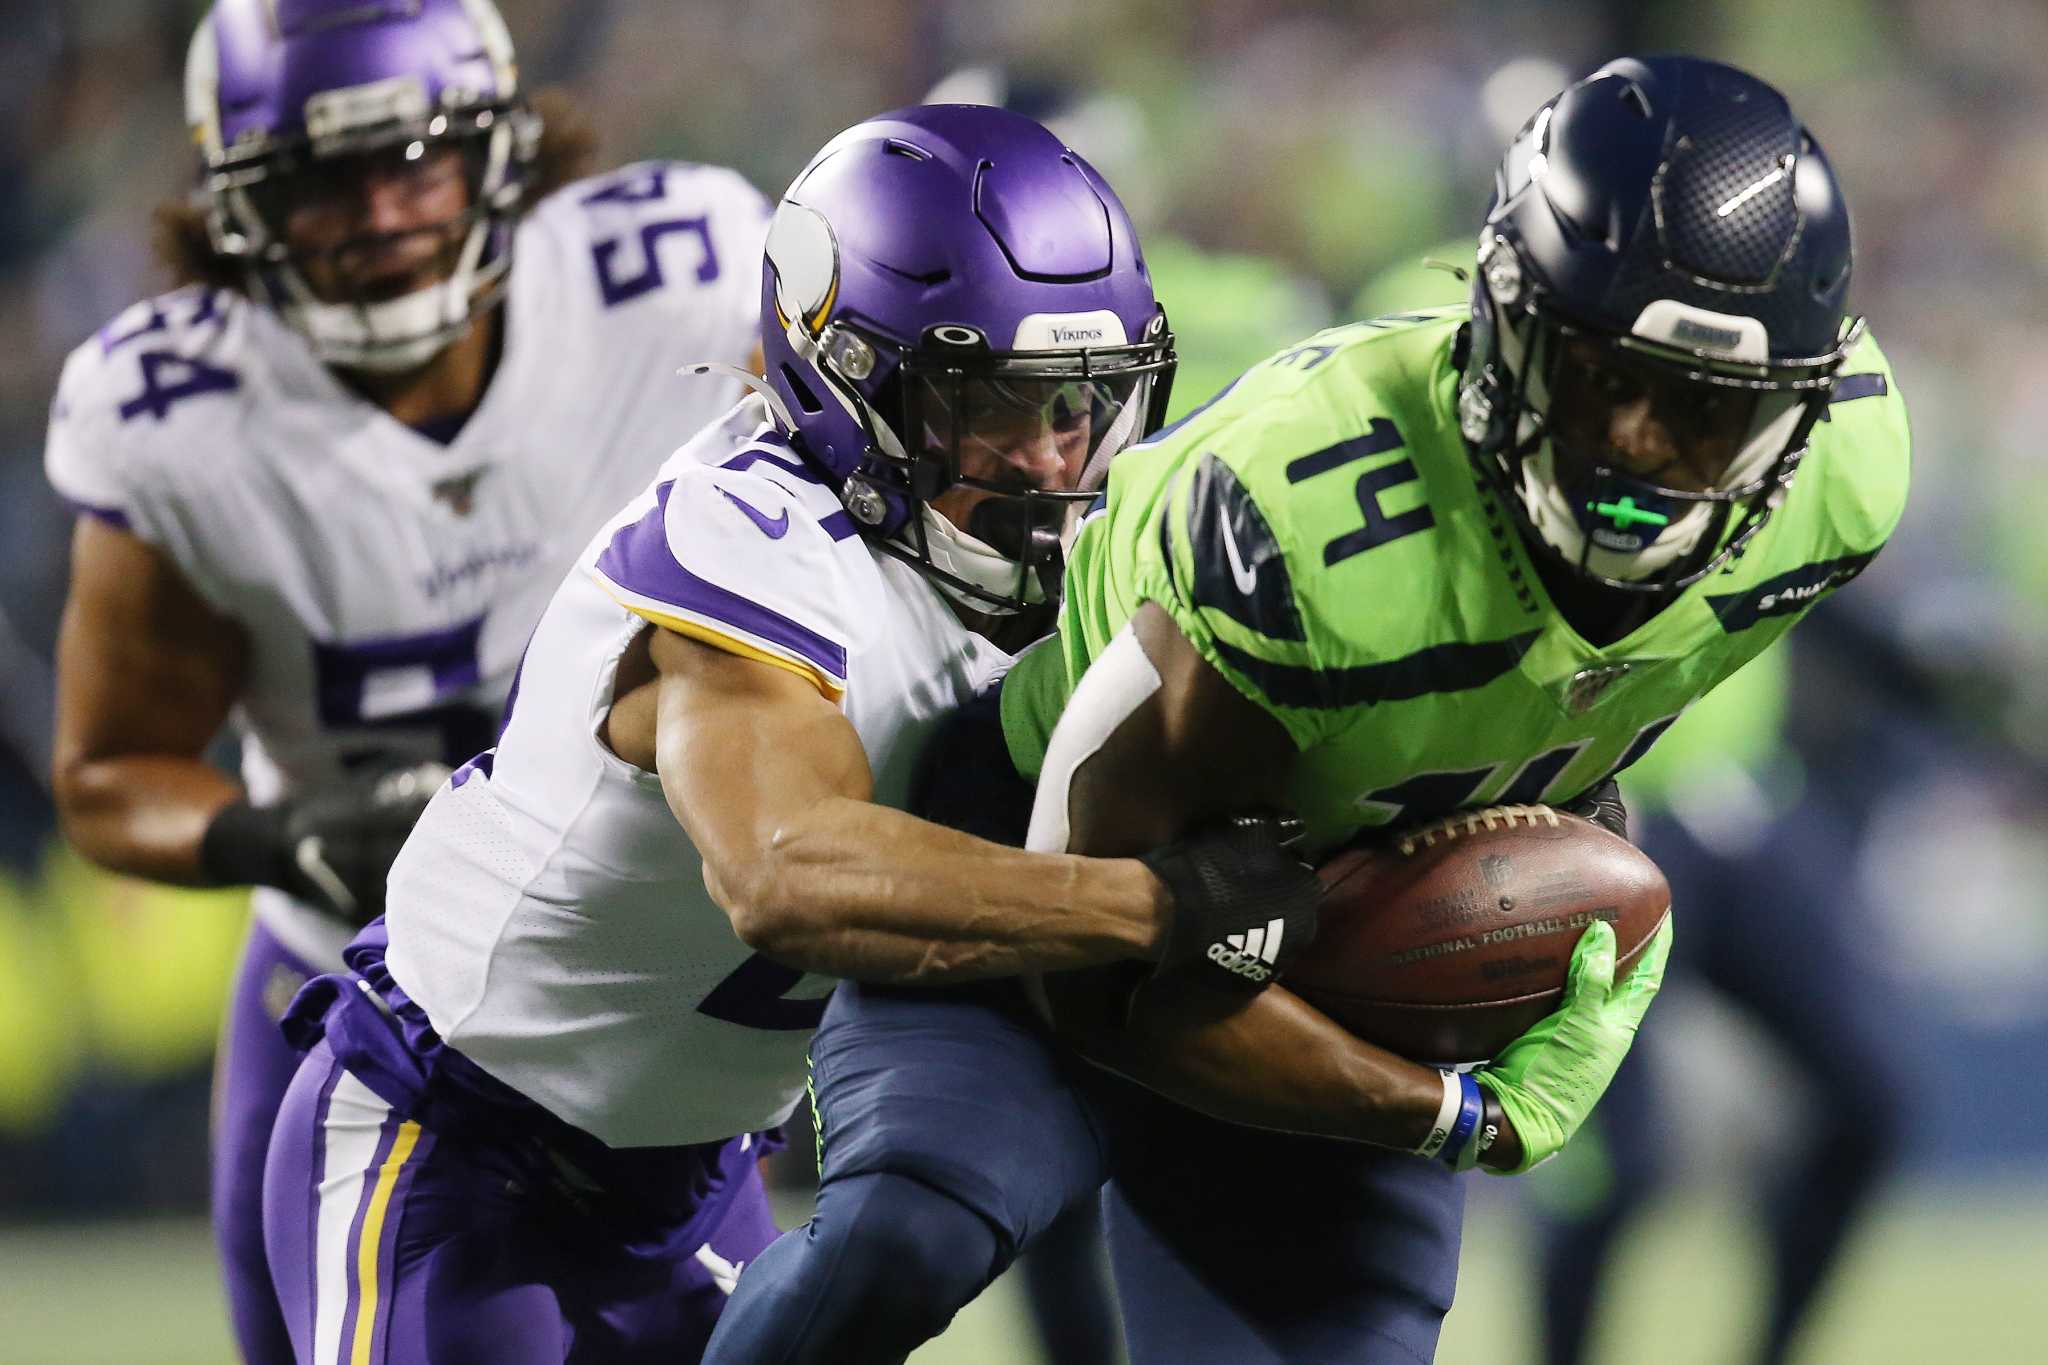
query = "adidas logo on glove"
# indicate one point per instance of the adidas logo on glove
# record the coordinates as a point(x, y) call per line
point(1250, 955)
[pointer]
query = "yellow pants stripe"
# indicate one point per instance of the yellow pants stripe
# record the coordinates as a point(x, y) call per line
point(373, 1235)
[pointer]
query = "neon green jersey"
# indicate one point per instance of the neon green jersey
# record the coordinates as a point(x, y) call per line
point(1320, 535)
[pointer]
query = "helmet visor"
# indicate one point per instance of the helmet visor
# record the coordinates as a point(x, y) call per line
point(1024, 444)
point(1614, 410)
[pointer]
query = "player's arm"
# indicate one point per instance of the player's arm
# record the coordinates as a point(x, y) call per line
point(1191, 749)
point(146, 675)
point(1186, 747)
point(771, 782)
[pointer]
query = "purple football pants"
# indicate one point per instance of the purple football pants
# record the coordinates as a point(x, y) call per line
point(251, 1071)
point(392, 1244)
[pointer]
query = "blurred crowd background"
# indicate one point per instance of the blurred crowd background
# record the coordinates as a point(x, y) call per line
point(1291, 162)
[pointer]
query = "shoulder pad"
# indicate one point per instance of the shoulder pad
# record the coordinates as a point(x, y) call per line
point(166, 361)
point(1860, 454)
point(738, 560)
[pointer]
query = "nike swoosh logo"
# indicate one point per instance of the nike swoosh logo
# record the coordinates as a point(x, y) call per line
point(772, 527)
point(1752, 192)
point(1247, 579)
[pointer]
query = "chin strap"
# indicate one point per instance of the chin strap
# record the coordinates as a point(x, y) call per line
point(385, 338)
point(953, 551)
point(750, 380)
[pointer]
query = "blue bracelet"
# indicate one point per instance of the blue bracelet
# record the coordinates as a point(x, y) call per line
point(1470, 1108)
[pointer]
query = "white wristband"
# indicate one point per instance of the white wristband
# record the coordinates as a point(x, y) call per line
point(1446, 1115)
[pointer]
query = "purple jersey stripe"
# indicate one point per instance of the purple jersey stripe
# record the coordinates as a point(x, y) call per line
point(839, 526)
point(343, 671)
point(639, 561)
point(789, 463)
point(112, 516)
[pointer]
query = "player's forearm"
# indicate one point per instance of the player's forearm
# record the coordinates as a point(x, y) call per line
point(145, 814)
point(1269, 1061)
point(858, 890)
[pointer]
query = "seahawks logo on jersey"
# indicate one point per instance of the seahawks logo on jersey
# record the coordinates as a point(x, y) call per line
point(1588, 685)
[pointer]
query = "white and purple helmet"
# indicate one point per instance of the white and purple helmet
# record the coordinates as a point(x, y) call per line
point(946, 259)
point(275, 87)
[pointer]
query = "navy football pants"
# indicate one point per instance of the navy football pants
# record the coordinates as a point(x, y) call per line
point(954, 1134)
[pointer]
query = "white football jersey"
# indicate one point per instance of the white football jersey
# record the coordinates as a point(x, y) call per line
point(386, 582)
point(549, 912)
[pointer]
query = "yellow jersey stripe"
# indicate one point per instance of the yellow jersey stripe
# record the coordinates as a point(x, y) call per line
point(718, 639)
point(373, 1234)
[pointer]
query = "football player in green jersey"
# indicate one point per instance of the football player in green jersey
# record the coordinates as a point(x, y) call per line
point(1425, 562)
point(1753, 854)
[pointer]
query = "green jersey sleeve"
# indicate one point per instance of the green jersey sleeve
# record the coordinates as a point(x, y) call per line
point(1864, 446)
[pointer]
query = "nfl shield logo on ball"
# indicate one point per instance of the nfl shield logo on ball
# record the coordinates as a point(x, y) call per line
point(1496, 868)
point(1588, 685)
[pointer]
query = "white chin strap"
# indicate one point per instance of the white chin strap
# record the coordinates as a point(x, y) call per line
point(402, 333)
point(757, 386)
point(952, 551)
point(396, 335)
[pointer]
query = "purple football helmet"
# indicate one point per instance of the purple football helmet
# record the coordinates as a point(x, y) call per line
point(278, 92)
point(960, 331)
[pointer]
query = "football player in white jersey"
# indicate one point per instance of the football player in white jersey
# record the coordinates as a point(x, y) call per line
point(531, 1112)
point(329, 484)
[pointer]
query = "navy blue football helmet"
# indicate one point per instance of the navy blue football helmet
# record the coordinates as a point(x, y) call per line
point(1658, 318)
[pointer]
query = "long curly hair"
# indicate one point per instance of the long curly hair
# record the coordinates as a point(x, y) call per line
point(568, 147)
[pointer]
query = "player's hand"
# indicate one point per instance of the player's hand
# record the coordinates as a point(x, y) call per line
point(1244, 906)
point(331, 847)
point(344, 839)
point(1548, 1080)
point(1603, 806)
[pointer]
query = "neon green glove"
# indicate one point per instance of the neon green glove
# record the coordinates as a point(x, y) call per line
point(1548, 1080)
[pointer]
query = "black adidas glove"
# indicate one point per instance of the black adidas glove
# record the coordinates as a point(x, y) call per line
point(330, 848)
point(1602, 805)
point(1244, 907)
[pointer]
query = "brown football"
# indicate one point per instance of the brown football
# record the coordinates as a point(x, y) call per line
point(1445, 942)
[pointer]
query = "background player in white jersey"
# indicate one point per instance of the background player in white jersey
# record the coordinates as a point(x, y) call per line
point(331, 481)
point(530, 1116)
